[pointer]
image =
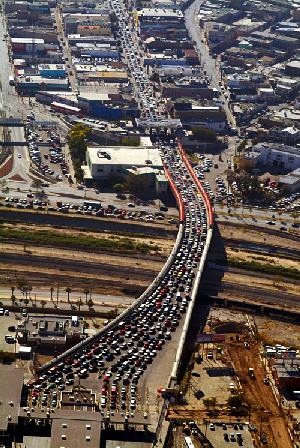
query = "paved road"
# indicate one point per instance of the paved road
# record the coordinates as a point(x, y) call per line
point(97, 224)
point(209, 64)
point(101, 301)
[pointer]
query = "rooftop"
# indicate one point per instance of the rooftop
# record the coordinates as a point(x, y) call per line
point(125, 155)
point(11, 383)
point(75, 433)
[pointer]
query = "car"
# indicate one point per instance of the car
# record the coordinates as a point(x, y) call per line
point(19, 156)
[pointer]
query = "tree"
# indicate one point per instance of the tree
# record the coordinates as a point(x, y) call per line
point(235, 401)
point(12, 292)
point(43, 303)
point(204, 135)
point(37, 184)
point(118, 188)
point(86, 292)
point(79, 304)
point(90, 303)
point(210, 402)
point(68, 291)
point(51, 293)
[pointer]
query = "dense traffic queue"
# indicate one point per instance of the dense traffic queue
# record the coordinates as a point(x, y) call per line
point(118, 357)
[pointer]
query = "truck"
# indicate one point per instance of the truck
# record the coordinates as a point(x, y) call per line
point(11, 80)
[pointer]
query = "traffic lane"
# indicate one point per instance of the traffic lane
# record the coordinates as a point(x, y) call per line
point(97, 224)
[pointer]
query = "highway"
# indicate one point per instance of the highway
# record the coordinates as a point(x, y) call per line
point(147, 338)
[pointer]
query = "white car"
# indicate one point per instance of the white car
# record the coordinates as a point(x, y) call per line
point(19, 156)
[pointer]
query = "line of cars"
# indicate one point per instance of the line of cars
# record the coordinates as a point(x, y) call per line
point(118, 358)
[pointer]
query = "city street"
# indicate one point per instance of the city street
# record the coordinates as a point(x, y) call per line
point(209, 64)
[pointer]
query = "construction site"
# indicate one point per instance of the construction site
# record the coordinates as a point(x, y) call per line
point(233, 391)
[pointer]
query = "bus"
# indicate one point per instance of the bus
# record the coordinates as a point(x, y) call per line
point(188, 443)
point(94, 204)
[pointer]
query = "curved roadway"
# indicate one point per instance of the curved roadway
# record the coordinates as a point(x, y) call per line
point(121, 352)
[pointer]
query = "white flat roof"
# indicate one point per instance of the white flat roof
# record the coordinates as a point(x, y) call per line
point(26, 40)
point(124, 155)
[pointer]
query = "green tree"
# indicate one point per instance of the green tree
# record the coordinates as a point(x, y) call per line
point(118, 188)
point(37, 184)
point(43, 303)
point(210, 402)
point(90, 303)
point(77, 140)
point(51, 293)
point(204, 135)
point(235, 401)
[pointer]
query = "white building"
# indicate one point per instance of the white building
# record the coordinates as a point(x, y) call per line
point(280, 156)
point(103, 162)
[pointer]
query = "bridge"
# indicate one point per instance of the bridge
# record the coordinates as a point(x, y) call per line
point(118, 357)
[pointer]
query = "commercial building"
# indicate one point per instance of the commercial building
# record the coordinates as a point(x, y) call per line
point(291, 182)
point(282, 157)
point(11, 385)
point(52, 70)
point(286, 373)
point(104, 162)
point(32, 84)
point(55, 333)
point(27, 45)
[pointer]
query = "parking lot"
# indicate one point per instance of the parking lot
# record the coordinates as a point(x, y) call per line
point(46, 153)
point(224, 435)
point(5, 323)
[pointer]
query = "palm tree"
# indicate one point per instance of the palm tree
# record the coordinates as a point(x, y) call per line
point(51, 293)
point(90, 303)
point(79, 303)
point(86, 292)
point(68, 291)
point(12, 292)
point(43, 303)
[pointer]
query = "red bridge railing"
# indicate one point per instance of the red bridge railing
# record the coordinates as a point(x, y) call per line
point(176, 194)
point(198, 183)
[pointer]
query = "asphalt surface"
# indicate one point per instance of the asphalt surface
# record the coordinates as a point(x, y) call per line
point(75, 222)
point(208, 63)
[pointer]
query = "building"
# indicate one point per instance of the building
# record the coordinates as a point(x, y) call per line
point(71, 432)
point(52, 70)
point(11, 385)
point(286, 373)
point(291, 182)
point(27, 45)
point(52, 332)
point(104, 162)
point(32, 84)
point(282, 157)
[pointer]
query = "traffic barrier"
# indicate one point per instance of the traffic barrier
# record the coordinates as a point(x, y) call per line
point(177, 195)
point(198, 183)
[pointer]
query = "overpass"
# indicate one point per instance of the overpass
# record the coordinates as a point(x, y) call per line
point(165, 308)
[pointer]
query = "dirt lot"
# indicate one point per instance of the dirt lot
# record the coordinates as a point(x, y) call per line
point(244, 255)
point(238, 232)
point(265, 413)
point(262, 408)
